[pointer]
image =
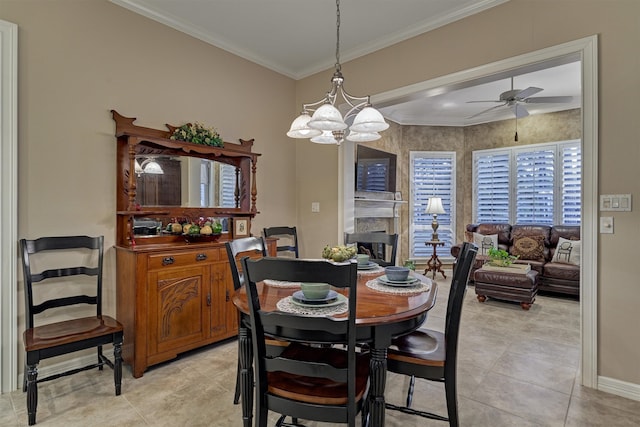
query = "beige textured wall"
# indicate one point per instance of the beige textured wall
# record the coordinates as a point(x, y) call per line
point(79, 59)
point(511, 29)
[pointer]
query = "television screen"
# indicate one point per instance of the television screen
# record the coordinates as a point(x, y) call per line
point(375, 170)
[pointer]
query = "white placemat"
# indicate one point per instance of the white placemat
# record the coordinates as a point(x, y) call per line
point(287, 306)
point(281, 284)
point(399, 290)
point(375, 270)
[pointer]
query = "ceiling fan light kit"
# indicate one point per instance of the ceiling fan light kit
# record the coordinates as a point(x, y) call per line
point(327, 125)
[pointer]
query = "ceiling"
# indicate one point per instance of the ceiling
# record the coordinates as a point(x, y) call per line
point(297, 38)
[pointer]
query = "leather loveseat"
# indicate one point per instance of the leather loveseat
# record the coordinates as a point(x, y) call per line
point(536, 245)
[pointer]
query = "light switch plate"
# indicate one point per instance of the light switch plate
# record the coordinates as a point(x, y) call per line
point(606, 225)
point(615, 202)
point(315, 206)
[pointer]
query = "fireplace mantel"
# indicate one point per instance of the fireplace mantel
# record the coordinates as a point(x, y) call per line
point(376, 204)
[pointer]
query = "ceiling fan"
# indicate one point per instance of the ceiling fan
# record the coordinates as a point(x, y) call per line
point(515, 98)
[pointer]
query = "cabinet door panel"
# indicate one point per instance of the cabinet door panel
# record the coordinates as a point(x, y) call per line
point(221, 276)
point(178, 312)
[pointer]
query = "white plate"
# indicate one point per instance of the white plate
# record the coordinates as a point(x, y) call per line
point(412, 281)
point(341, 299)
point(369, 266)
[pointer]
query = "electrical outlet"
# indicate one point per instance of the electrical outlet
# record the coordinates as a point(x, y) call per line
point(315, 206)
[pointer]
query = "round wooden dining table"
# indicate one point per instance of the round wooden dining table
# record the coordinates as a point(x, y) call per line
point(381, 316)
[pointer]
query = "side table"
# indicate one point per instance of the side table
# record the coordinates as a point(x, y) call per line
point(434, 264)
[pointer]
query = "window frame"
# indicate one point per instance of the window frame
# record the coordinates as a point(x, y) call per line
point(443, 252)
point(558, 202)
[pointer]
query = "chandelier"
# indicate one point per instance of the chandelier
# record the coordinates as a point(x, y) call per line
point(327, 125)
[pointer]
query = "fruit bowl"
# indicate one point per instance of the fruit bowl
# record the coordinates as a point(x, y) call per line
point(198, 238)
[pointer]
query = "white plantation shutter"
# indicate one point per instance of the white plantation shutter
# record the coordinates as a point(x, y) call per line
point(227, 186)
point(205, 180)
point(535, 184)
point(571, 158)
point(534, 187)
point(491, 186)
point(432, 174)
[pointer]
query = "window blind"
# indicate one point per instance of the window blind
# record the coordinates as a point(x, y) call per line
point(535, 187)
point(571, 158)
point(433, 175)
point(228, 186)
point(536, 184)
point(492, 190)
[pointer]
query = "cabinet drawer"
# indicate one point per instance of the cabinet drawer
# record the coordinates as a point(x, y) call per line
point(181, 259)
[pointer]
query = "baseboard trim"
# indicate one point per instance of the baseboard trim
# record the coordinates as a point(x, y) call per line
point(57, 368)
point(619, 388)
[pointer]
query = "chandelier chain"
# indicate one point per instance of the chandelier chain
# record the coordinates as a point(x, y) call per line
point(338, 35)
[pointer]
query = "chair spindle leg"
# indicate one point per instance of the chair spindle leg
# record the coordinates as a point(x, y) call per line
point(412, 383)
point(32, 393)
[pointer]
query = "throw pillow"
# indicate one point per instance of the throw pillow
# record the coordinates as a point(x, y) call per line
point(567, 252)
point(485, 242)
point(528, 247)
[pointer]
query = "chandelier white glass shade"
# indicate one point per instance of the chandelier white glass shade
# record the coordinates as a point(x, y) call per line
point(327, 118)
point(149, 166)
point(434, 206)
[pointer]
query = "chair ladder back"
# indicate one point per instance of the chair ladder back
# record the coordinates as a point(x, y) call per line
point(242, 246)
point(43, 244)
point(454, 304)
point(384, 238)
point(291, 232)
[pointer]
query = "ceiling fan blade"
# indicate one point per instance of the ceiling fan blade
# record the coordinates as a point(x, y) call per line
point(486, 111)
point(493, 100)
point(525, 93)
point(549, 100)
point(519, 110)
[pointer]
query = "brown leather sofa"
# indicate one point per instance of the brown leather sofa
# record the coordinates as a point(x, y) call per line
point(552, 276)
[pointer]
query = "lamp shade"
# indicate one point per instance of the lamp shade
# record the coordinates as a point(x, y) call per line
point(369, 120)
point(327, 117)
point(326, 138)
point(300, 128)
point(363, 136)
point(150, 166)
point(435, 206)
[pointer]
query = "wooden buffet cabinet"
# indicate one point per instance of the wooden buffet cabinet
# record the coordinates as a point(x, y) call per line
point(171, 295)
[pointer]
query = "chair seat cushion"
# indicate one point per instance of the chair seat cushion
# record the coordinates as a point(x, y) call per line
point(322, 391)
point(421, 347)
point(68, 331)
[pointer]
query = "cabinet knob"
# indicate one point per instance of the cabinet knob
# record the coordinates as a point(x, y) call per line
point(168, 260)
point(201, 257)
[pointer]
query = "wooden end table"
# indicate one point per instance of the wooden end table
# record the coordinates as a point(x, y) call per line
point(434, 264)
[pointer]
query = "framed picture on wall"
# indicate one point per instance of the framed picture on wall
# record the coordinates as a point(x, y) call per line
point(241, 227)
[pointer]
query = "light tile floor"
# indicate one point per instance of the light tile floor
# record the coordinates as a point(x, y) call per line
point(516, 368)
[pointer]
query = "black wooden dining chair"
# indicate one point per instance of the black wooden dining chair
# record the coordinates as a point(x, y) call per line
point(289, 236)
point(235, 250)
point(374, 239)
point(74, 333)
point(432, 355)
point(313, 381)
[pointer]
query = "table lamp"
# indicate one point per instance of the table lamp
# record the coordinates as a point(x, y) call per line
point(435, 207)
